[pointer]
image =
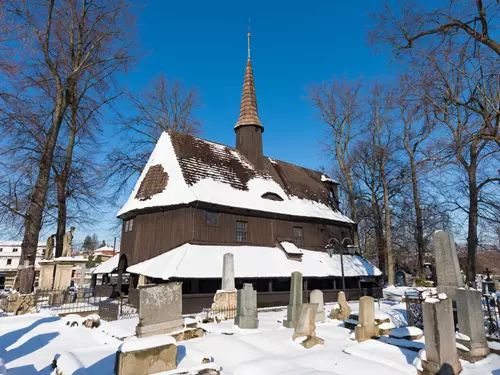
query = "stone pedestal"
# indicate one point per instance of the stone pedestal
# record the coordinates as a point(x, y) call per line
point(440, 343)
point(471, 324)
point(228, 272)
point(160, 309)
point(295, 305)
point(306, 326)
point(46, 278)
point(246, 314)
point(64, 271)
point(366, 328)
point(316, 296)
point(342, 311)
point(448, 273)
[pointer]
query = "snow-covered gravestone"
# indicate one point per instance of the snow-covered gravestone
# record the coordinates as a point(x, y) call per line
point(448, 273)
point(316, 296)
point(246, 314)
point(295, 305)
point(366, 328)
point(228, 273)
point(342, 310)
point(160, 309)
point(440, 344)
point(471, 324)
point(148, 355)
point(306, 326)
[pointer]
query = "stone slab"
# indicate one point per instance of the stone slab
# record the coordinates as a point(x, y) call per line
point(228, 272)
point(316, 296)
point(46, 278)
point(448, 272)
point(146, 361)
point(295, 305)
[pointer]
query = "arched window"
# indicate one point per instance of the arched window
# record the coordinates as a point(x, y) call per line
point(272, 196)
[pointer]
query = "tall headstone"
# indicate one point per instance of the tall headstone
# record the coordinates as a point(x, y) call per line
point(295, 305)
point(316, 296)
point(246, 314)
point(228, 272)
point(447, 267)
point(471, 324)
point(160, 309)
point(440, 343)
point(366, 328)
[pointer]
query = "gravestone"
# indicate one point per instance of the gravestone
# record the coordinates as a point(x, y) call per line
point(448, 273)
point(228, 272)
point(440, 343)
point(316, 296)
point(246, 314)
point(471, 324)
point(160, 309)
point(295, 305)
point(366, 328)
point(149, 355)
point(342, 311)
point(306, 326)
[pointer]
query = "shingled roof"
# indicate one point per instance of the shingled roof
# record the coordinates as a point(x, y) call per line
point(193, 169)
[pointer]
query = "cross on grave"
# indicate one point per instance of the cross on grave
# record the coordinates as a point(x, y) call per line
point(488, 274)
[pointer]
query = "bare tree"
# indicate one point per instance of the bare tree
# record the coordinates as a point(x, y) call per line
point(413, 23)
point(165, 105)
point(66, 41)
point(338, 104)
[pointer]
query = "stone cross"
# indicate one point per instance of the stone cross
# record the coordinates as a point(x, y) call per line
point(471, 323)
point(295, 305)
point(160, 309)
point(316, 296)
point(228, 272)
point(440, 343)
point(246, 311)
point(447, 267)
point(366, 328)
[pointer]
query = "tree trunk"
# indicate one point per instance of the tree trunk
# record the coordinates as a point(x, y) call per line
point(352, 203)
point(62, 180)
point(473, 221)
point(388, 240)
point(418, 218)
point(379, 235)
point(34, 215)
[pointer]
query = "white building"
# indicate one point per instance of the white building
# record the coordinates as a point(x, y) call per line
point(10, 254)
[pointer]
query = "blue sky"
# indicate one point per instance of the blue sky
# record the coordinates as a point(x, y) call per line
point(294, 43)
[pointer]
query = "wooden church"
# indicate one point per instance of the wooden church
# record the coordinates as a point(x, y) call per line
point(196, 200)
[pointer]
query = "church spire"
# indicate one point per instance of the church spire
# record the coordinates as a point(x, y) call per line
point(248, 107)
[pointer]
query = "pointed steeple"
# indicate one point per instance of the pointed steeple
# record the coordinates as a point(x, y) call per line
point(248, 107)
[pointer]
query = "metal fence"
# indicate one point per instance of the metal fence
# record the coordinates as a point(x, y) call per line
point(414, 313)
point(117, 309)
point(491, 309)
point(67, 301)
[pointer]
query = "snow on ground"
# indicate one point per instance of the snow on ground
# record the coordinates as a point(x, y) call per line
point(29, 343)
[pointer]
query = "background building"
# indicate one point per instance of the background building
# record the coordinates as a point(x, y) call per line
point(10, 253)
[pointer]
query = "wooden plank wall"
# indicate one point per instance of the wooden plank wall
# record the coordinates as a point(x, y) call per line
point(155, 233)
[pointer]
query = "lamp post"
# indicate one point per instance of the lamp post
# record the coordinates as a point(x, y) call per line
point(339, 244)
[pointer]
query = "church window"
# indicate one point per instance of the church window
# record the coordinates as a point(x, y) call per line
point(210, 218)
point(241, 231)
point(298, 237)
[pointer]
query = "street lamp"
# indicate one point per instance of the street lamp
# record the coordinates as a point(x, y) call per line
point(334, 243)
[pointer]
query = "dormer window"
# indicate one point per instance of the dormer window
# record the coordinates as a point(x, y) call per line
point(272, 196)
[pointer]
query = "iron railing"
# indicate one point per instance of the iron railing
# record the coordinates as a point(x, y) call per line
point(67, 301)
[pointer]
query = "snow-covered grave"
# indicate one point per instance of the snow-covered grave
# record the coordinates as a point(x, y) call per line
point(29, 344)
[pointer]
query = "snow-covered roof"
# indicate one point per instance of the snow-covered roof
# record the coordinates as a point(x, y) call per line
point(17, 243)
point(105, 250)
point(290, 248)
point(184, 169)
point(108, 266)
point(205, 261)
